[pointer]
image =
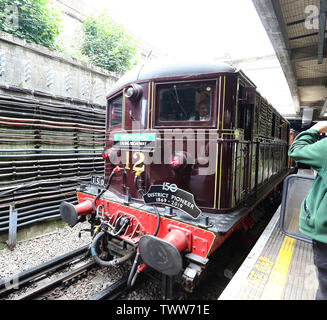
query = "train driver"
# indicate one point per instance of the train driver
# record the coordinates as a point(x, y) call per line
point(202, 113)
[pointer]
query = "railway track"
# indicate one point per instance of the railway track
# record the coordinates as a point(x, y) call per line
point(113, 291)
point(32, 275)
point(53, 289)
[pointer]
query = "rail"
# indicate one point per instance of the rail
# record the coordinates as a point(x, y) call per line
point(53, 288)
point(113, 291)
point(21, 280)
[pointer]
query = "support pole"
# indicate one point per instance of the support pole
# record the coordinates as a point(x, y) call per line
point(12, 227)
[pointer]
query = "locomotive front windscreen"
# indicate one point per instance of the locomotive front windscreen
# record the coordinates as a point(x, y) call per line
point(186, 102)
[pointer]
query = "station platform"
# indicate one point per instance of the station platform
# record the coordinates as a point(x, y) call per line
point(277, 268)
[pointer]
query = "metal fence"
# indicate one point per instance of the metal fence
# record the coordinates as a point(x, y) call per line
point(48, 145)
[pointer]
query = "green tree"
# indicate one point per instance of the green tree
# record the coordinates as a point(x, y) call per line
point(107, 44)
point(32, 20)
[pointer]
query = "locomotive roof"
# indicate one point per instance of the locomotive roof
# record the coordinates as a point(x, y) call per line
point(170, 68)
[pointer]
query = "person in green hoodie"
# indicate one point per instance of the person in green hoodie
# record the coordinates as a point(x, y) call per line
point(313, 216)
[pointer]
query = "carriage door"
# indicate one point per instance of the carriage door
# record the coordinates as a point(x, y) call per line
point(245, 148)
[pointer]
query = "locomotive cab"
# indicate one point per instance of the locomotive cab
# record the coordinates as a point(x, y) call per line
point(177, 106)
point(190, 150)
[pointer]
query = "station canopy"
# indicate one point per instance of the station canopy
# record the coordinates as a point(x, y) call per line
point(297, 30)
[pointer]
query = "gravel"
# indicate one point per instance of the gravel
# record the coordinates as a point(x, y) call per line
point(32, 252)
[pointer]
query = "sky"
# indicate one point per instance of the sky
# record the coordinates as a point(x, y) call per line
point(205, 29)
point(194, 28)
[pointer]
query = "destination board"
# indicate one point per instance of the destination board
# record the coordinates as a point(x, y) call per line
point(135, 140)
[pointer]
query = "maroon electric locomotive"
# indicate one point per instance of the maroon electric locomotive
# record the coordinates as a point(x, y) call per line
point(191, 149)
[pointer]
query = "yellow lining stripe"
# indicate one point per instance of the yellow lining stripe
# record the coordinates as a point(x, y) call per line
point(152, 102)
point(224, 95)
point(219, 102)
point(149, 93)
point(277, 279)
point(220, 167)
point(216, 178)
point(234, 168)
point(221, 146)
point(216, 174)
point(236, 104)
point(123, 115)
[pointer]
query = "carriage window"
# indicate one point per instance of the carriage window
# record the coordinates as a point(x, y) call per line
point(241, 109)
point(116, 111)
point(245, 113)
point(273, 125)
point(186, 102)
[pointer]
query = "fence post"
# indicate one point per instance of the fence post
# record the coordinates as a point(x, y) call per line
point(12, 227)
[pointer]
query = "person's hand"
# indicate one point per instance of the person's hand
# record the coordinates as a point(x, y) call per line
point(320, 126)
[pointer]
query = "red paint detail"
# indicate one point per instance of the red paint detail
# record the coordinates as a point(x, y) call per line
point(141, 267)
point(117, 169)
point(177, 238)
point(187, 233)
point(142, 223)
point(105, 155)
point(84, 207)
point(174, 162)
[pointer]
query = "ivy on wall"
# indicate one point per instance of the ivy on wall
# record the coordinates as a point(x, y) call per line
point(107, 44)
point(32, 20)
point(103, 42)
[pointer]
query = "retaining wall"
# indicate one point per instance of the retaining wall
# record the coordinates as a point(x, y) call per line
point(52, 128)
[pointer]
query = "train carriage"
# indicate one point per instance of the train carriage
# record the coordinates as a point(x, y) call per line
point(191, 149)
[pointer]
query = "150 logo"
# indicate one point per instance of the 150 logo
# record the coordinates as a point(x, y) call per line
point(169, 187)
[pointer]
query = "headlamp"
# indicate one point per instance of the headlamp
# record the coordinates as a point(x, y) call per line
point(133, 92)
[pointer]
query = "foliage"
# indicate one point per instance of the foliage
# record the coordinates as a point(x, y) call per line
point(32, 20)
point(107, 44)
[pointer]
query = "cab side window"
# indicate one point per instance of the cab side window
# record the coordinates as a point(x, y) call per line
point(116, 108)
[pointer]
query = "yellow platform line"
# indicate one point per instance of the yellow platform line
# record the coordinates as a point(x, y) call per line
point(275, 285)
